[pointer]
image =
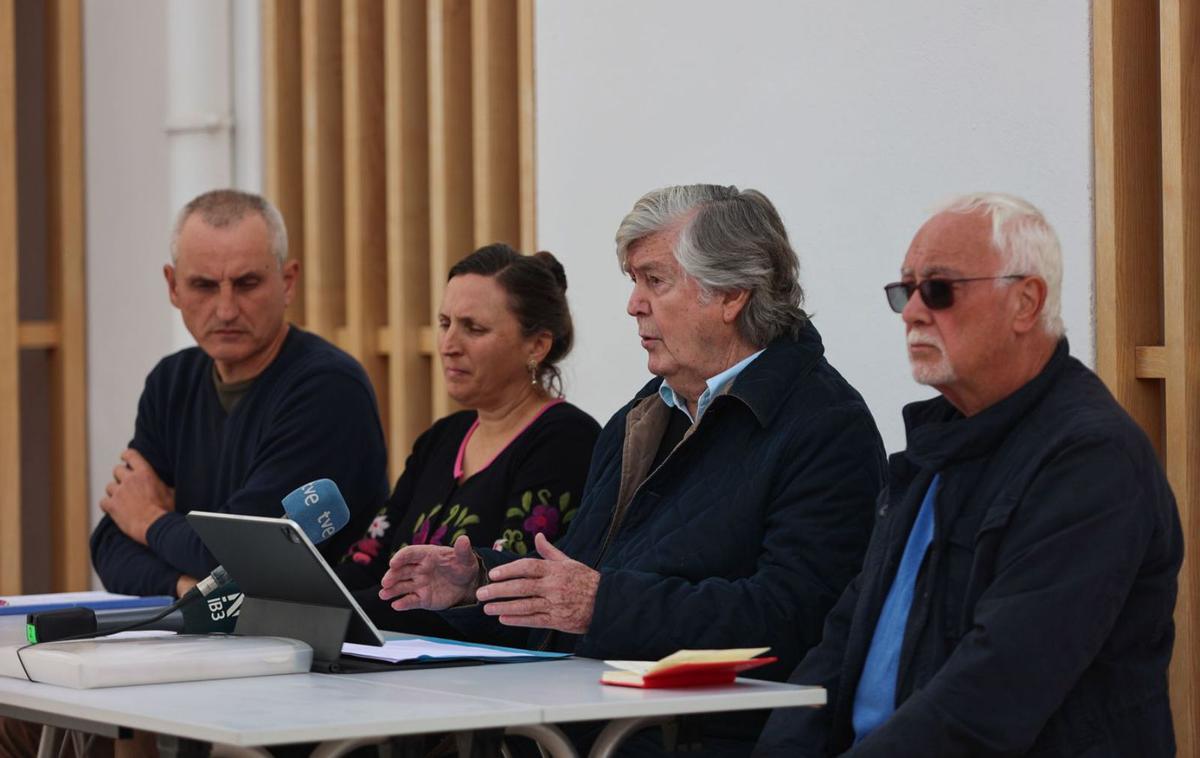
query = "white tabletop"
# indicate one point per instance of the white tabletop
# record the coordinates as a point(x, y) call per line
point(274, 710)
point(570, 690)
point(317, 707)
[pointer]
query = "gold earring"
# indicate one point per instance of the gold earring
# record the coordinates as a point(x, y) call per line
point(533, 372)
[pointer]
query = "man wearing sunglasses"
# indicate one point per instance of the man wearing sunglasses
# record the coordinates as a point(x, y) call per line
point(1018, 591)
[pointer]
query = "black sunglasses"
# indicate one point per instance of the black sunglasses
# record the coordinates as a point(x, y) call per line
point(937, 294)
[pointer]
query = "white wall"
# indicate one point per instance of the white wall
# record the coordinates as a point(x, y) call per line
point(853, 117)
point(129, 321)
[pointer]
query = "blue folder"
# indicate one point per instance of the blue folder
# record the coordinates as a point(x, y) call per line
point(103, 603)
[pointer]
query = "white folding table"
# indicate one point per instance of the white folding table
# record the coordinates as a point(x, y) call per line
point(341, 711)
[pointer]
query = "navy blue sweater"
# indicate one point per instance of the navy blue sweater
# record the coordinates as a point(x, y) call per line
point(310, 414)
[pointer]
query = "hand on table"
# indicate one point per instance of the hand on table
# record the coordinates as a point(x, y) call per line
point(430, 576)
point(136, 497)
point(553, 593)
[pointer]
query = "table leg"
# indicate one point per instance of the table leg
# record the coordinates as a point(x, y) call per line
point(549, 737)
point(170, 746)
point(338, 748)
point(48, 745)
point(395, 747)
point(234, 751)
point(480, 743)
point(615, 732)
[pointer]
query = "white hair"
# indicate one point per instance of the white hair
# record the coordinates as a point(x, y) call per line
point(1025, 241)
point(728, 239)
point(226, 207)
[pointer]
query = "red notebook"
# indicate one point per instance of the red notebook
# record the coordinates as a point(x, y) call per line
point(686, 668)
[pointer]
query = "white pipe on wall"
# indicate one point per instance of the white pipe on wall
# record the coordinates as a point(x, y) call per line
point(247, 95)
point(200, 119)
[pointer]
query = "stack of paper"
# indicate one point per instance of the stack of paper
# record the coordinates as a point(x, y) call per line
point(153, 658)
point(687, 668)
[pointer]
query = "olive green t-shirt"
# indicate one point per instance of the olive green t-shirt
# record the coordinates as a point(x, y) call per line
point(229, 393)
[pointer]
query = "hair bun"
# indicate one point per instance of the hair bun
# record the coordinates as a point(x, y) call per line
point(548, 260)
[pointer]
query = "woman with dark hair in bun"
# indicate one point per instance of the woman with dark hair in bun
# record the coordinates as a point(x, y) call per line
point(513, 464)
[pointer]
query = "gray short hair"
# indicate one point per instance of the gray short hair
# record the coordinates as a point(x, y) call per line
point(226, 207)
point(728, 239)
point(1025, 241)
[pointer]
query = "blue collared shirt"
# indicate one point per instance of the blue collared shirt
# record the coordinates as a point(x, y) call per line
point(715, 385)
point(875, 698)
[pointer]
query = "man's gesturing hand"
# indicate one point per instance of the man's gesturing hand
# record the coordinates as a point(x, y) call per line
point(430, 576)
point(554, 593)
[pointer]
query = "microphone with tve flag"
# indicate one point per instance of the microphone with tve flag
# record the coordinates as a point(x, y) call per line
point(318, 508)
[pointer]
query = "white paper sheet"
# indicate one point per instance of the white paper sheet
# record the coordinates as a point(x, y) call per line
point(396, 651)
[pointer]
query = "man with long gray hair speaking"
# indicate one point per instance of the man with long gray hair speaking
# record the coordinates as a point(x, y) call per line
point(728, 503)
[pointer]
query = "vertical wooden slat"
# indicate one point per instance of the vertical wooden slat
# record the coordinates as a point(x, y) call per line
point(282, 117)
point(494, 110)
point(70, 516)
point(10, 423)
point(367, 282)
point(456, 135)
point(409, 304)
point(526, 125)
point(451, 212)
point(1128, 220)
point(321, 87)
point(1180, 57)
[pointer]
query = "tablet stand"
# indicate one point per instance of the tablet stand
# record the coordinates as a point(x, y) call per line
point(323, 627)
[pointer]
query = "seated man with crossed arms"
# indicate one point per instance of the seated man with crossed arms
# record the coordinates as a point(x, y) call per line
point(232, 425)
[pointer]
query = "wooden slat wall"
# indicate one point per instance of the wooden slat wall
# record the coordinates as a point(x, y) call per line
point(1179, 32)
point(321, 135)
point(494, 111)
point(70, 516)
point(407, 158)
point(526, 120)
point(1128, 209)
point(451, 196)
point(366, 188)
point(282, 117)
point(1146, 61)
point(414, 146)
point(62, 334)
point(10, 420)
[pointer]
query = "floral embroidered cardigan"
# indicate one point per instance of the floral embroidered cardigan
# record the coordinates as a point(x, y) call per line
point(531, 486)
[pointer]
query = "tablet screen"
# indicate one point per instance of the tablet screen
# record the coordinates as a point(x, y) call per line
point(273, 559)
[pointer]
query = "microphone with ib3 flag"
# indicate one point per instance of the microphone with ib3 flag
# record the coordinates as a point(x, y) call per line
point(318, 508)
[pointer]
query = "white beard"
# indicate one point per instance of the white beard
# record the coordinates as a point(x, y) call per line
point(931, 374)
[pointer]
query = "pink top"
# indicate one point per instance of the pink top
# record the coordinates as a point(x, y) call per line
point(462, 448)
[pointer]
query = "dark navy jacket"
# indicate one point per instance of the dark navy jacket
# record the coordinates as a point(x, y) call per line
point(311, 414)
point(746, 534)
point(1042, 616)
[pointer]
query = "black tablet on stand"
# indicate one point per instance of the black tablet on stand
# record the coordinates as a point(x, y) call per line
point(290, 591)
